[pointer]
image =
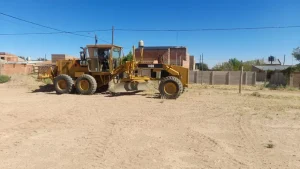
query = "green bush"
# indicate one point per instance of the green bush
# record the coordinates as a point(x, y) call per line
point(4, 78)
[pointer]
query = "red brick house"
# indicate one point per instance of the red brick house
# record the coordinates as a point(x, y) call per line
point(12, 64)
point(8, 57)
point(174, 55)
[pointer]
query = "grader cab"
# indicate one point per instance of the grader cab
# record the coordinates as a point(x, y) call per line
point(101, 66)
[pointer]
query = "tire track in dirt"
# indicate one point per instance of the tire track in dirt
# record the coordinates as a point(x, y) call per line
point(148, 157)
point(146, 153)
point(96, 143)
point(212, 145)
point(24, 131)
point(243, 126)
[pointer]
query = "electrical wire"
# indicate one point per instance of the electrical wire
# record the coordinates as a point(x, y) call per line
point(59, 31)
point(156, 30)
point(207, 29)
point(43, 25)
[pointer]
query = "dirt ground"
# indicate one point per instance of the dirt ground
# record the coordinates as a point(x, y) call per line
point(207, 127)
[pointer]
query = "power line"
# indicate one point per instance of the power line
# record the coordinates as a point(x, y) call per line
point(155, 30)
point(43, 25)
point(33, 33)
point(207, 29)
point(59, 31)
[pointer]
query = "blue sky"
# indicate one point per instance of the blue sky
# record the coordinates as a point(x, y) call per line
point(217, 46)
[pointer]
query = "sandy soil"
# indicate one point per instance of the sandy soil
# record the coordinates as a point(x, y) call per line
point(207, 127)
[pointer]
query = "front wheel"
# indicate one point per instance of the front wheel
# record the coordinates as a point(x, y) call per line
point(63, 84)
point(170, 87)
point(86, 85)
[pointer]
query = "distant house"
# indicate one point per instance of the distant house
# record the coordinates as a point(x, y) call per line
point(9, 57)
point(55, 57)
point(263, 68)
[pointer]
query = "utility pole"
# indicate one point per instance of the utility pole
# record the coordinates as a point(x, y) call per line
point(176, 47)
point(202, 71)
point(283, 59)
point(176, 55)
point(200, 62)
point(112, 35)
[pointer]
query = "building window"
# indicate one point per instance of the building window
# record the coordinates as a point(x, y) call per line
point(2, 58)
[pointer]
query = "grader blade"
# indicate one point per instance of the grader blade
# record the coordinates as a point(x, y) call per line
point(129, 86)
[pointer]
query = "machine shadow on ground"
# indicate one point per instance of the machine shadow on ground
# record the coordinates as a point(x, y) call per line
point(44, 89)
point(49, 89)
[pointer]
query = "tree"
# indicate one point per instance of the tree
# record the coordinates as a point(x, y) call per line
point(199, 66)
point(296, 53)
point(128, 57)
point(235, 65)
point(226, 66)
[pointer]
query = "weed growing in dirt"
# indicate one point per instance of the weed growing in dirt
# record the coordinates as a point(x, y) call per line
point(256, 94)
point(4, 78)
point(270, 145)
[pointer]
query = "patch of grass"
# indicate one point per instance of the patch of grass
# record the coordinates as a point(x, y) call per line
point(289, 88)
point(4, 78)
point(256, 94)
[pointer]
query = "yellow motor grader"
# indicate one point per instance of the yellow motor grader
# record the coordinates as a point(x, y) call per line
point(101, 66)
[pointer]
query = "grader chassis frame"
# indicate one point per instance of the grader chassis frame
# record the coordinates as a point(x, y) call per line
point(85, 75)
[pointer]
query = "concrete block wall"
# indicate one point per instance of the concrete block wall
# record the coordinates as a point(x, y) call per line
point(294, 80)
point(222, 77)
point(234, 77)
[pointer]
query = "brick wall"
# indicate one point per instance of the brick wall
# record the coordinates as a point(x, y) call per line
point(10, 69)
point(192, 63)
point(178, 56)
point(55, 57)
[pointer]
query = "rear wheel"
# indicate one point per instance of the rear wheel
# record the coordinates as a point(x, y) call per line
point(170, 87)
point(63, 84)
point(86, 84)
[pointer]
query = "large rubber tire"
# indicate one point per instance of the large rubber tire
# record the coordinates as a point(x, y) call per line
point(63, 84)
point(170, 87)
point(86, 85)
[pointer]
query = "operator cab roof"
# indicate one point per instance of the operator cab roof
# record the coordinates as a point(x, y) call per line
point(102, 46)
